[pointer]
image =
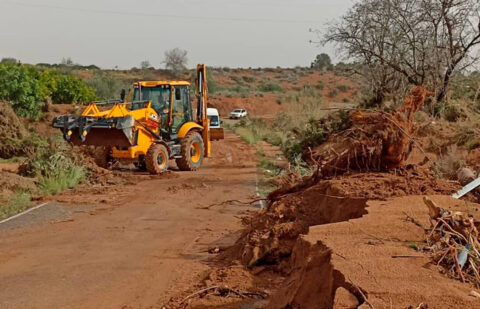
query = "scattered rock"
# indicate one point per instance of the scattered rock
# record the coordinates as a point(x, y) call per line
point(465, 176)
point(344, 299)
point(474, 294)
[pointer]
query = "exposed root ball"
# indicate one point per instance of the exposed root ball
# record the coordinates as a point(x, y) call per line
point(376, 141)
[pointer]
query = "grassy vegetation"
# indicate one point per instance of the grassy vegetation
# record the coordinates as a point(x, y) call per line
point(19, 202)
point(62, 180)
point(56, 168)
point(13, 159)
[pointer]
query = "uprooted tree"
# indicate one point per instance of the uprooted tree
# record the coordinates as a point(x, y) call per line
point(397, 43)
point(376, 141)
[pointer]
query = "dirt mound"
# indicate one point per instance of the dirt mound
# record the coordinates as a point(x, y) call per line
point(12, 130)
point(408, 180)
point(11, 183)
point(380, 186)
point(370, 259)
point(376, 141)
point(292, 210)
point(10, 124)
point(473, 158)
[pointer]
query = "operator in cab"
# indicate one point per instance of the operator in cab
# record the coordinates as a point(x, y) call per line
point(164, 108)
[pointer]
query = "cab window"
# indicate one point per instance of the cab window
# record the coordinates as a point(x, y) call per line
point(159, 96)
point(182, 109)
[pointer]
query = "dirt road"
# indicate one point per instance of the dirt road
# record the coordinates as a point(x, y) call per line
point(136, 247)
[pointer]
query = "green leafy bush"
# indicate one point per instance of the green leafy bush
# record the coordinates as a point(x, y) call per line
point(20, 86)
point(71, 89)
point(26, 88)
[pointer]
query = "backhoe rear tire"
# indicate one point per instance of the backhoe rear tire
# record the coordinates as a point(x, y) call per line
point(156, 160)
point(192, 149)
point(103, 157)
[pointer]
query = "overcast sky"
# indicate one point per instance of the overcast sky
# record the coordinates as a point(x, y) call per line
point(109, 33)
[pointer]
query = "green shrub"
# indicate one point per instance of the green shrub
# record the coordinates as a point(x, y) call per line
point(20, 86)
point(71, 89)
point(105, 86)
point(273, 138)
point(249, 79)
point(267, 86)
point(56, 168)
point(453, 113)
point(308, 91)
point(320, 85)
point(283, 121)
point(26, 88)
point(333, 93)
point(212, 84)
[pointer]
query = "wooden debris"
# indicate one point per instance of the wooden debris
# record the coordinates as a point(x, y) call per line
point(450, 234)
point(224, 291)
point(433, 210)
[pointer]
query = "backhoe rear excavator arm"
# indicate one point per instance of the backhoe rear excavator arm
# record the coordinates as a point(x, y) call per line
point(202, 95)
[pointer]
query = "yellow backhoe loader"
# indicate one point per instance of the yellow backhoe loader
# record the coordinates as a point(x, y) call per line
point(158, 124)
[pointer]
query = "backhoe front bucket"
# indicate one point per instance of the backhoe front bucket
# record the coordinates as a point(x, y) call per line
point(82, 130)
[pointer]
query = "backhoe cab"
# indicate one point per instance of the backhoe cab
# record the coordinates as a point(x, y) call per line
point(158, 124)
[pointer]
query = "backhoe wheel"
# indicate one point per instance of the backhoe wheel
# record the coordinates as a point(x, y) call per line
point(192, 152)
point(156, 159)
point(103, 157)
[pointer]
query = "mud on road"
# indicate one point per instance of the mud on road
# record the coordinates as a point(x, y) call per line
point(135, 245)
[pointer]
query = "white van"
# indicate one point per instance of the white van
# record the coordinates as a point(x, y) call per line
point(214, 116)
point(216, 131)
